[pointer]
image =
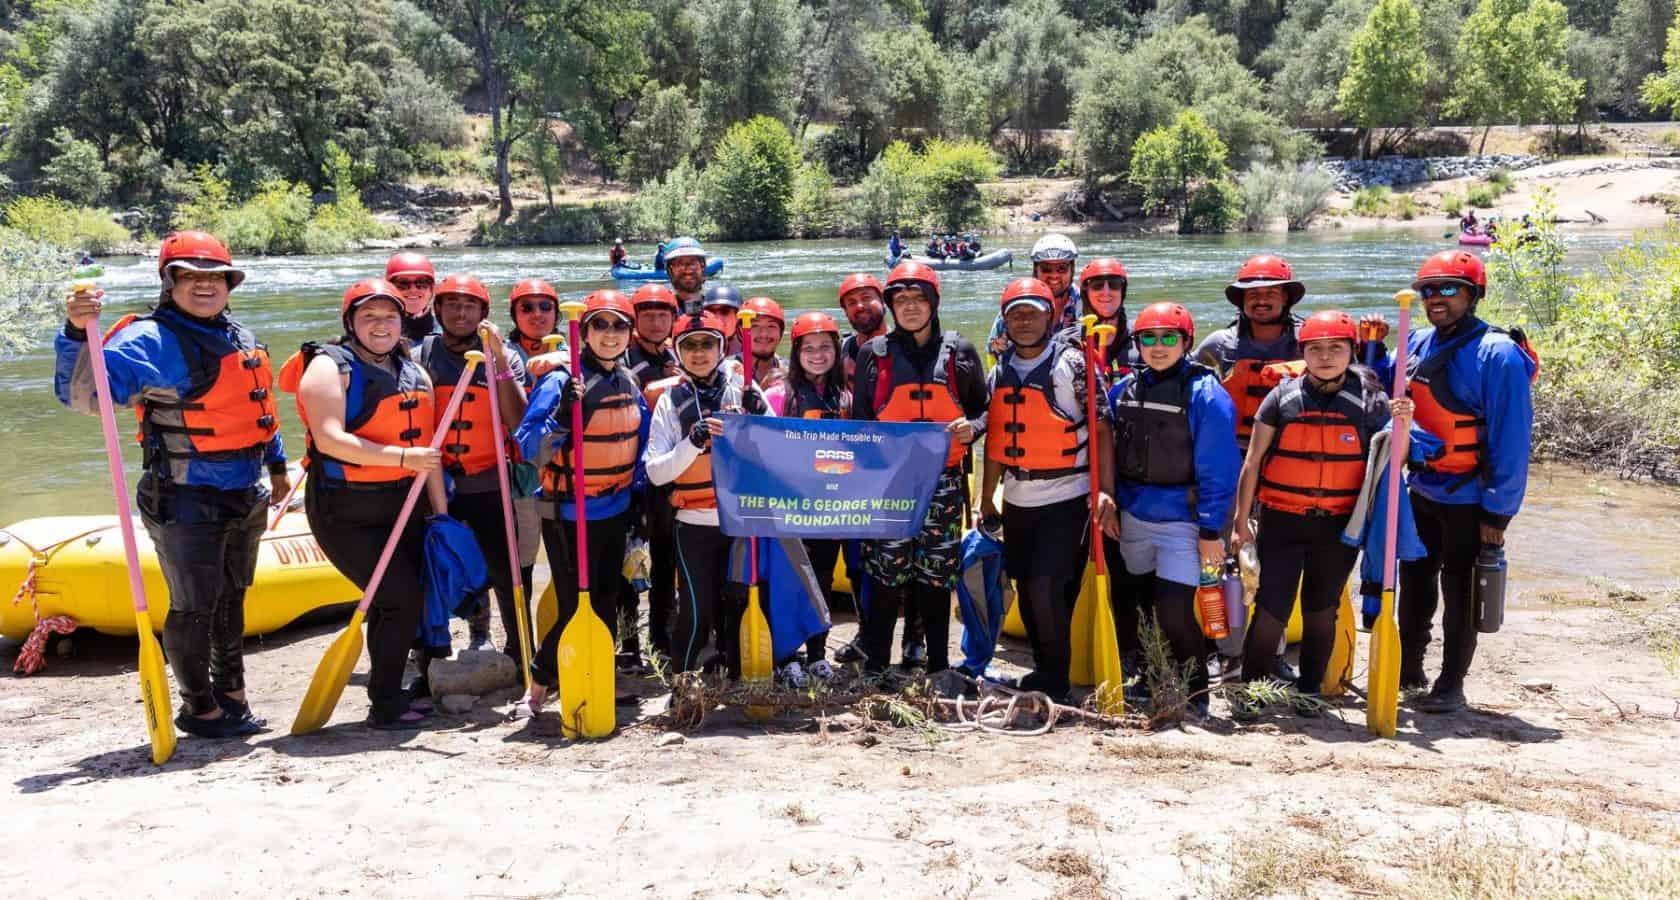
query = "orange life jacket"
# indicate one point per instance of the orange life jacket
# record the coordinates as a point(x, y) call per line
point(901, 394)
point(229, 403)
point(1442, 413)
point(692, 489)
point(1025, 432)
point(612, 422)
point(1316, 464)
point(392, 410)
point(469, 449)
point(1246, 384)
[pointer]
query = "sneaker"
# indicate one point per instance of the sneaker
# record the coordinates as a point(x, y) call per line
point(1223, 668)
point(220, 728)
point(478, 640)
point(822, 669)
point(241, 711)
point(849, 652)
point(793, 673)
point(915, 655)
point(1442, 700)
point(1284, 672)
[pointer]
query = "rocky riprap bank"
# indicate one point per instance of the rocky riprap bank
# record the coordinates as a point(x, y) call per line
point(1353, 174)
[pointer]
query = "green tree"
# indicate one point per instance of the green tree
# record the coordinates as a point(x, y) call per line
point(1169, 161)
point(1592, 58)
point(1027, 66)
point(748, 47)
point(748, 188)
point(1383, 87)
point(76, 173)
point(664, 132)
point(1308, 57)
point(1512, 65)
point(1196, 68)
point(890, 194)
point(951, 175)
point(1107, 122)
point(1640, 31)
point(1662, 91)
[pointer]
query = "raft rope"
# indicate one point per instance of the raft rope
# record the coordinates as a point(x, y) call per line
point(32, 658)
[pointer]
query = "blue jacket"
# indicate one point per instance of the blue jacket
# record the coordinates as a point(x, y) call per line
point(146, 359)
point(1371, 539)
point(1491, 375)
point(540, 433)
point(980, 586)
point(456, 577)
point(1213, 419)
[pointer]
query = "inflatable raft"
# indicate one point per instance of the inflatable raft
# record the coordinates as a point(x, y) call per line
point(1476, 239)
point(984, 261)
point(75, 566)
point(625, 273)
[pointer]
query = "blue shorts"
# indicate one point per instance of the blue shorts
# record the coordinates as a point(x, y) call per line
point(1166, 548)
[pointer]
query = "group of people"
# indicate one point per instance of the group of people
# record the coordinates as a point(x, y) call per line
point(954, 247)
point(1260, 434)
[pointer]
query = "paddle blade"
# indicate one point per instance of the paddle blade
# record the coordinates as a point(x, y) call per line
point(548, 612)
point(1382, 699)
point(154, 693)
point(758, 662)
point(331, 675)
point(1338, 676)
point(1105, 653)
point(1081, 632)
point(585, 662)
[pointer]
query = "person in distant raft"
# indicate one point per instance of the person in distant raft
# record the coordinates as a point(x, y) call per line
point(618, 256)
point(1038, 441)
point(766, 335)
point(679, 454)
point(1471, 383)
point(1175, 478)
point(654, 364)
point(816, 389)
point(413, 276)
point(369, 410)
point(919, 373)
point(203, 390)
point(469, 454)
point(615, 428)
point(685, 269)
point(1306, 464)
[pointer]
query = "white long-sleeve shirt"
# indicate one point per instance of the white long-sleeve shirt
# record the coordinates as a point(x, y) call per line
point(670, 452)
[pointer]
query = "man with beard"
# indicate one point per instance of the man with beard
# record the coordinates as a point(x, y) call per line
point(685, 269)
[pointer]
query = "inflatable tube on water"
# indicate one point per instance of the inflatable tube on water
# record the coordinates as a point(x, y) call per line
point(622, 273)
point(984, 261)
point(1474, 240)
point(84, 576)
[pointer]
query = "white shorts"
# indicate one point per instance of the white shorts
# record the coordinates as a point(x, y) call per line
point(1166, 548)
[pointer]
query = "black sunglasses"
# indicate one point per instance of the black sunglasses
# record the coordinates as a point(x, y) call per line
point(603, 323)
point(535, 306)
point(1105, 282)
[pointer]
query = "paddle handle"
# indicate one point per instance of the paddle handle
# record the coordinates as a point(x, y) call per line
point(1398, 441)
point(439, 435)
point(114, 460)
point(571, 310)
point(746, 316)
point(281, 512)
point(507, 516)
point(1096, 337)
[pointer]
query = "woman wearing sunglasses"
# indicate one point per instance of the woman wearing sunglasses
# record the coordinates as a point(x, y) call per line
point(534, 305)
point(615, 427)
point(1176, 477)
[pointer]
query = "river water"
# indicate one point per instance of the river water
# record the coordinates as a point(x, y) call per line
point(56, 463)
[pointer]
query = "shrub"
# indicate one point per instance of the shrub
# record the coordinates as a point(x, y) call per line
point(423, 111)
point(1372, 201)
point(814, 209)
point(1501, 179)
point(1452, 204)
point(1403, 207)
point(748, 188)
point(76, 172)
point(53, 221)
point(560, 225)
point(836, 150)
point(1261, 192)
point(890, 195)
point(663, 132)
point(33, 273)
point(1481, 196)
point(1306, 195)
point(1214, 207)
point(670, 206)
point(951, 175)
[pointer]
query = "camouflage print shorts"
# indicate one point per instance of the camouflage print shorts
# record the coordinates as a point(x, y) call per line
point(933, 555)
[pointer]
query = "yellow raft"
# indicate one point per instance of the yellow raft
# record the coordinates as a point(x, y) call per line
point(75, 566)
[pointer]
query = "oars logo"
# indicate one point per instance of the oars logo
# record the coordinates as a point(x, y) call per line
point(834, 462)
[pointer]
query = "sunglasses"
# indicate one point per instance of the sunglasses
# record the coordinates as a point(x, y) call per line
point(1170, 339)
point(1441, 290)
point(601, 323)
point(404, 284)
point(536, 306)
point(1105, 282)
point(702, 345)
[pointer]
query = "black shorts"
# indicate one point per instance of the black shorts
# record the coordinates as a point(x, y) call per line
point(1045, 541)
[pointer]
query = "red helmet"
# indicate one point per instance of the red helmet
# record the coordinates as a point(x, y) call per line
point(531, 287)
point(1027, 289)
point(363, 291)
point(698, 323)
point(1328, 325)
point(913, 274)
point(199, 250)
point(607, 301)
point(1166, 315)
point(1454, 265)
point(814, 323)
point(1265, 271)
point(655, 295)
point(463, 284)
point(409, 263)
point(766, 308)
point(859, 280)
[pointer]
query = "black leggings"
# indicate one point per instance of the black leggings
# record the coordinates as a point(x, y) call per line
point(933, 605)
point(206, 542)
point(704, 632)
point(482, 512)
point(352, 525)
point(606, 561)
point(823, 556)
point(1452, 537)
point(1174, 610)
point(1304, 552)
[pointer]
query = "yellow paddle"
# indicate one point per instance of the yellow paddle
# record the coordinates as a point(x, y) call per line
point(1338, 675)
point(154, 681)
point(584, 658)
point(332, 673)
point(522, 618)
point(1382, 698)
point(758, 662)
point(1104, 642)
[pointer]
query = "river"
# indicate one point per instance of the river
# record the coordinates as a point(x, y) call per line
point(57, 467)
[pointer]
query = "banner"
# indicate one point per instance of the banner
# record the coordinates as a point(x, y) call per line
point(825, 478)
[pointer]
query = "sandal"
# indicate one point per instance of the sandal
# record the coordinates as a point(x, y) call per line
point(528, 707)
point(241, 711)
point(408, 721)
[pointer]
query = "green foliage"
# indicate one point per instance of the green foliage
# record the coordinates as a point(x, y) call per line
point(49, 220)
point(890, 195)
point(538, 225)
point(814, 208)
point(749, 50)
point(1260, 191)
point(670, 206)
point(34, 273)
point(1306, 195)
point(1386, 74)
point(1028, 64)
point(1501, 179)
point(1639, 32)
point(1662, 91)
point(1168, 160)
point(75, 173)
point(951, 174)
point(1452, 204)
point(1403, 207)
point(1526, 277)
point(279, 218)
point(664, 131)
point(748, 188)
point(1308, 58)
point(1214, 208)
point(422, 111)
point(1107, 122)
point(1372, 201)
point(436, 54)
point(1512, 64)
point(1482, 196)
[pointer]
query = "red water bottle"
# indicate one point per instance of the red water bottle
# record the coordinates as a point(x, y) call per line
point(1210, 598)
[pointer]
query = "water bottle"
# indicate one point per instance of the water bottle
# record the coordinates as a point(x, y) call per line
point(1487, 588)
point(1236, 605)
point(1210, 598)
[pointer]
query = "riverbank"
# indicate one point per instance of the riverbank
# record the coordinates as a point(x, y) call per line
point(1558, 781)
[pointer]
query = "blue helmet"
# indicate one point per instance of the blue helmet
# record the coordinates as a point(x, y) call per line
point(721, 295)
point(684, 246)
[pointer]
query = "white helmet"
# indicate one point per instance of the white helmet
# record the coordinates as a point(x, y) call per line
point(1054, 247)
